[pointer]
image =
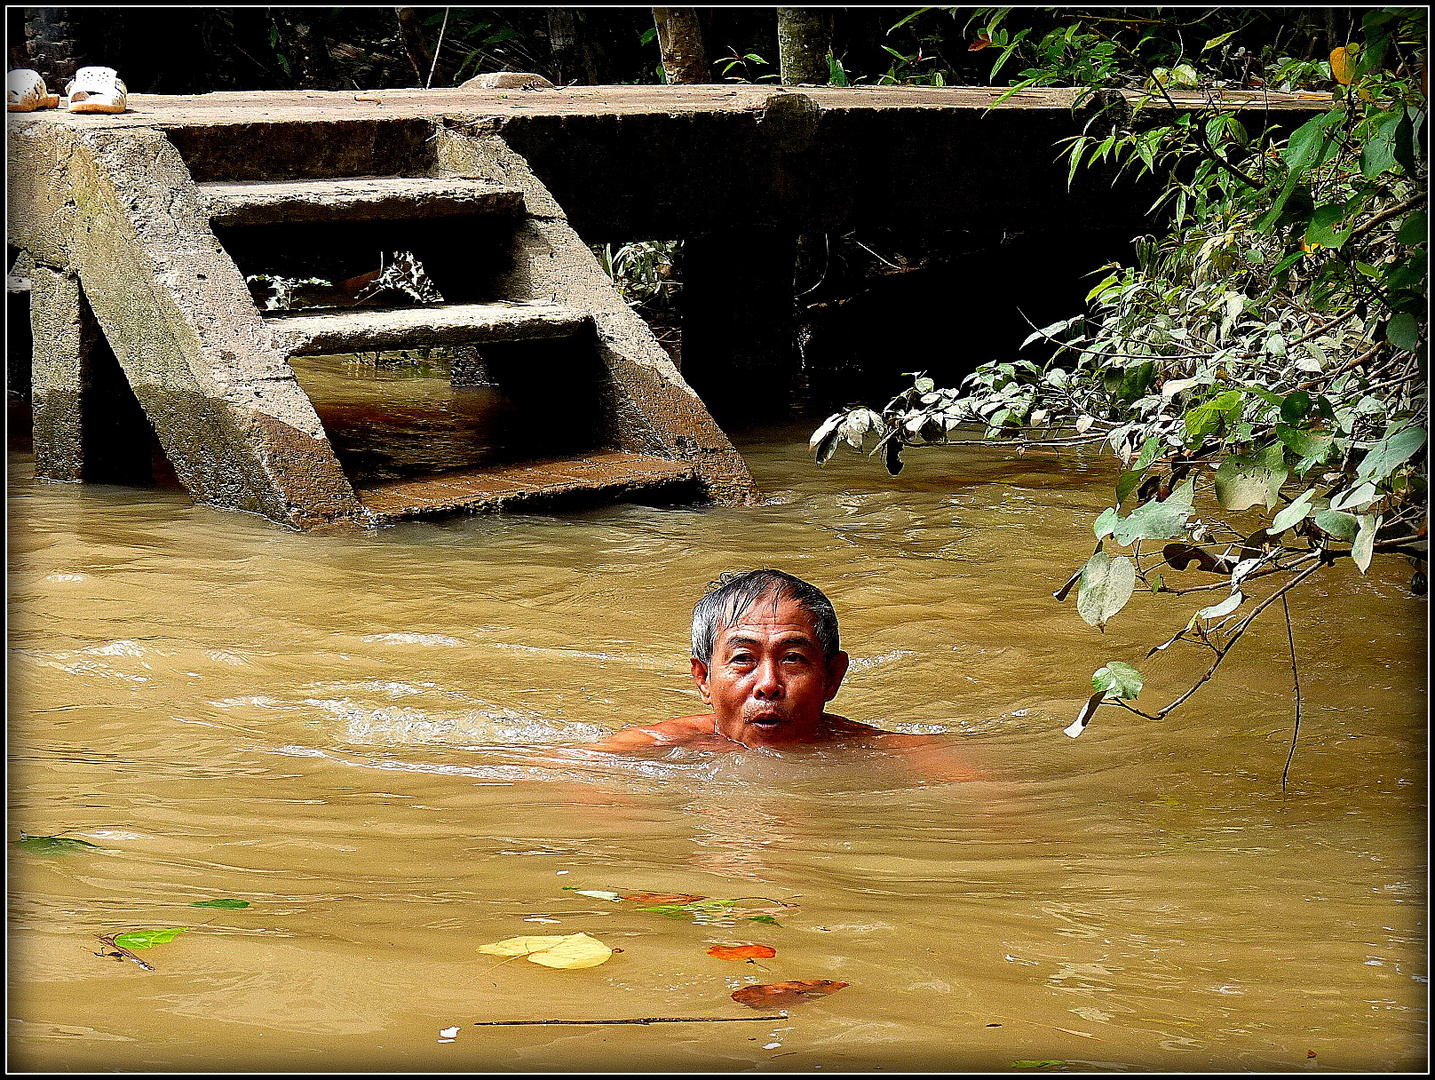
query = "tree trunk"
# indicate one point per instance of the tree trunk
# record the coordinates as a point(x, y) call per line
point(411, 29)
point(681, 40)
point(563, 41)
point(803, 42)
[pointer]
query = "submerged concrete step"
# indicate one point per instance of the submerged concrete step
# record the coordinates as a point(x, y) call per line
point(609, 475)
point(365, 198)
point(377, 329)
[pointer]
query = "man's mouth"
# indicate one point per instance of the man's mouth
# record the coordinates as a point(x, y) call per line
point(766, 720)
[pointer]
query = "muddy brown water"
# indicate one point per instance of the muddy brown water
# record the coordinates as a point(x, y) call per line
point(355, 734)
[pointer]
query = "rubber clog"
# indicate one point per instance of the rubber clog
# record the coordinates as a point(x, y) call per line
point(96, 90)
point(25, 91)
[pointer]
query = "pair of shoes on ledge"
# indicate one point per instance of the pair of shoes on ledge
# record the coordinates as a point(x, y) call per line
point(92, 90)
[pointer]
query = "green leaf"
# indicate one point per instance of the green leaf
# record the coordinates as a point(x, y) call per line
point(144, 939)
point(1106, 522)
point(228, 904)
point(1312, 447)
point(1216, 41)
point(1414, 229)
point(1242, 481)
point(1297, 511)
point(53, 845)
point(1313, 142)
point(1363, 548)
point(1216, 611)
point(1389, 453)
point(1322, 228)
point(1118, 680)
point(1162, 520)
point(1362, 494)
point(1126, 483)
point(1379, 152)
point(1106, 585)
point(1403, 331)
point(1034, 1064)
point(1340, 526)
point(1209, 416)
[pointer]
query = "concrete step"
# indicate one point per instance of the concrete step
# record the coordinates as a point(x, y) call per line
point(365, 198)
point(606, 475)
point(378, 329)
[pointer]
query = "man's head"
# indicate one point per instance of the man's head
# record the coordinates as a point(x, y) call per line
point(766, 656)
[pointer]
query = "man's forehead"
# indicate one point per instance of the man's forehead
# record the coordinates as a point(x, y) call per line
point(770, 613)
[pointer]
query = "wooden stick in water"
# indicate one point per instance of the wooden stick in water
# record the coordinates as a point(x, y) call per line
point(633, 1020)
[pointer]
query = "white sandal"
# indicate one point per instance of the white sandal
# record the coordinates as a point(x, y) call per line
point(25, 92)
point(96, 90)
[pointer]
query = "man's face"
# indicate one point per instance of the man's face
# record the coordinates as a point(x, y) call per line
point(768, 681)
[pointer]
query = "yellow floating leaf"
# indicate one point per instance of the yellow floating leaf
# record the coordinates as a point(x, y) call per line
point(1342, 65)
point(566, 951)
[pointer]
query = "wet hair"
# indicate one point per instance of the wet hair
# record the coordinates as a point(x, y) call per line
point(729, 597)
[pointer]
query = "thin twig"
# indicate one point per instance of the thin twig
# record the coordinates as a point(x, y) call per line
point(437, 46)
point(1224, 650)
point(1295, 674)
point(633, 1020)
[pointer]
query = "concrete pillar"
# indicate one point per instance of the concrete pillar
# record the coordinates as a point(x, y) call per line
point(739, 321)
point(87, 424)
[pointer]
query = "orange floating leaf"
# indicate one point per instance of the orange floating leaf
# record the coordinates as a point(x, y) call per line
point(742, 952)
point(661, 897)
point(784, 995)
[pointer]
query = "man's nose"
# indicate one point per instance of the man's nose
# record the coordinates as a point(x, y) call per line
point(769, 681)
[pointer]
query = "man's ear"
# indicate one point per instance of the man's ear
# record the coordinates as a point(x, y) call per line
point(700, 676)
point(836, 670)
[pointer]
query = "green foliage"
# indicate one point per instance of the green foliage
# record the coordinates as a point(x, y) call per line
point(643, 271)
point(1266, 358)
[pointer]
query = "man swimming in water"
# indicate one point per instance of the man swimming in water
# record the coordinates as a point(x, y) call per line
point(766, 661)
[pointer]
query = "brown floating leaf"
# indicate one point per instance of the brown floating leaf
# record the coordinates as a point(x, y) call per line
point(661, 897)
point(742, 952)
point(784, 995)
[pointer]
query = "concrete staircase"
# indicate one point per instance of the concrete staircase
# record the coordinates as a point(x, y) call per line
point(155, 258)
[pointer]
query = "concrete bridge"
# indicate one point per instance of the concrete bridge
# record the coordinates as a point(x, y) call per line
point(136, 232)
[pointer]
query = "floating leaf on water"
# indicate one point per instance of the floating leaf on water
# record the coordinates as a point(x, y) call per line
point(784, 995)
point(663, 898)
point(742, 952)
point(1035, 1064)
point(228, 903)
point(596, 894)
point(565, 951)
point(144, 939)
point(54, 845)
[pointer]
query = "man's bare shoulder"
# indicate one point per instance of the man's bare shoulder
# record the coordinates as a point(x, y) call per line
point(680, 731)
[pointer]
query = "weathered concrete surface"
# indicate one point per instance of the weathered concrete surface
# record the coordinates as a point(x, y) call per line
point(117, 210)
point(371, 198)
point(64, 335)
point(652, 409)
point(375, 330)
point(663, 161)
point(603, 475)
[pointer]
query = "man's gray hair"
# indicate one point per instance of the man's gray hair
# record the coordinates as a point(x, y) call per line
point(729, 597)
